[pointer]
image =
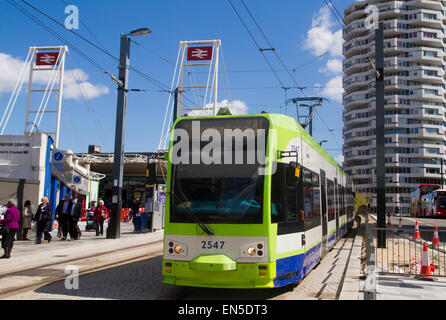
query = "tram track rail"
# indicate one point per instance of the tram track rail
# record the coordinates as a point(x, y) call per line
point(54, 272)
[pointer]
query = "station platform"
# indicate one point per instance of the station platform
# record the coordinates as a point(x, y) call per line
point(43, 259)
point(32, 263)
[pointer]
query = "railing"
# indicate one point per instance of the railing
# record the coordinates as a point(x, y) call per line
point(403, 253)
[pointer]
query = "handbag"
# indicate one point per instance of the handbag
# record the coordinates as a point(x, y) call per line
point(103, 215)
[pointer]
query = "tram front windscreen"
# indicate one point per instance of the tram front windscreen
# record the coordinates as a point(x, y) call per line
point(216, 175)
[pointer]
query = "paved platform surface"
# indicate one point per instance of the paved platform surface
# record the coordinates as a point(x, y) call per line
point(89, 243)
point(26, 255)
point(31, 263)
point(397, 288)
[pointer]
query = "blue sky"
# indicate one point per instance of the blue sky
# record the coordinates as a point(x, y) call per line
point(299, 30)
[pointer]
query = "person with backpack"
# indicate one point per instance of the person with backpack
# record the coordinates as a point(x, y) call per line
point(43, 218)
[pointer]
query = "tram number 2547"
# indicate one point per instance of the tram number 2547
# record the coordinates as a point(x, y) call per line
point(212, 244)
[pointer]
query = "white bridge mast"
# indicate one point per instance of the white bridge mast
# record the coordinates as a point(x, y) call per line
point(195, 54)
point(50, 59)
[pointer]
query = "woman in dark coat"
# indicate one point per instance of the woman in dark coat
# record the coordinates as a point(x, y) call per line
point(43, 218)
point(11, 223)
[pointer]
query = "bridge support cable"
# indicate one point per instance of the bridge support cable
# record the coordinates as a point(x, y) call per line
point(164, 130)
point(15, 93)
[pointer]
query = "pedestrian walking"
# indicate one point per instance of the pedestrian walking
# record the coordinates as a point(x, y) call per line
point(149, 210)
point(27, 216)
point(10, 224)
point(63, 215)
point(135, 209)
point(43, 218)
point(75, 215)
point(100, 215)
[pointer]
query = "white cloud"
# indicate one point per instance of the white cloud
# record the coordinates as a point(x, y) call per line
point(333, 90)
point(333, 66)
point(340, 159)
point(236, 107)
point(321, 38)
point(10, 68)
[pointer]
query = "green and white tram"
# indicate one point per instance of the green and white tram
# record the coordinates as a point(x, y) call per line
point(252, 202)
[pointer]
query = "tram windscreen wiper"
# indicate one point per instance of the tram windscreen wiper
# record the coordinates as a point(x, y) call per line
point(197, 221)
point(192, 215)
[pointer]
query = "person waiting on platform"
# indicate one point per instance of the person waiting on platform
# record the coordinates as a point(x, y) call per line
point(43, 218)
point(100, 215)
point(135, 208)
point(63, 215)
point(75, 215)
point(27, 217)
point(11, 224)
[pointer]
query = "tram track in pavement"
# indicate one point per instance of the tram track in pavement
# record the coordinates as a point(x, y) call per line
point(46, 274)
point(324, 288)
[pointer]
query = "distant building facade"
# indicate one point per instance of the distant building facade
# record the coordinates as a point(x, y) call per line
point(415, 104)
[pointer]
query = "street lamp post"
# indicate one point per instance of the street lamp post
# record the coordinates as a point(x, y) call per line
point(113, 230)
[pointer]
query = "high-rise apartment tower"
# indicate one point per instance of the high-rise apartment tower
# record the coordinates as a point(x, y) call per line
point(415, 103)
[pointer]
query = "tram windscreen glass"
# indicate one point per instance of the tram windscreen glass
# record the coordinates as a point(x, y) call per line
point(220, 192)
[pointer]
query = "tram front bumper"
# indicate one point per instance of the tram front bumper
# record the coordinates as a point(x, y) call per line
point(217, 272)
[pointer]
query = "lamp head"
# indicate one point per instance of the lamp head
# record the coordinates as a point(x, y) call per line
point(140, 32)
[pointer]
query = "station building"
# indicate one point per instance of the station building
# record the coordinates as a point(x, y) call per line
point(135, 180)
point(31, 168)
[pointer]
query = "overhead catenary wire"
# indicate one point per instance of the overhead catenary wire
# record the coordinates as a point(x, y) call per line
point(154, 81)
point(256, 44)
point(269, 43)
point(78, 139)
point(338, 17)
point(160, 85)
point(88, 103)
point(56, 35)
point(84, 25)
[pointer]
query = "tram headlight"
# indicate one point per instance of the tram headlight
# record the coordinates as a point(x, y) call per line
point(178, 249)
point(251, 251)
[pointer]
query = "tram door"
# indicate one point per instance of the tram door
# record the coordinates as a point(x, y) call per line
point(324, 213)
point(337, 206)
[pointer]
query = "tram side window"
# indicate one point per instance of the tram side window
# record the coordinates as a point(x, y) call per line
point(291, 192)
point(342, 199)
point(316, 200)
point(278, 194)
point(312, 196)
point(330, 200)
point(285, 203)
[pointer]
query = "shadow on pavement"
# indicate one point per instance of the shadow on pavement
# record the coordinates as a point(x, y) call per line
point(140, 280)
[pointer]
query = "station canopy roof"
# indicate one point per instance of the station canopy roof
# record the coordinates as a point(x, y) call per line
point(135, 164)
